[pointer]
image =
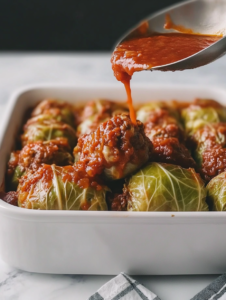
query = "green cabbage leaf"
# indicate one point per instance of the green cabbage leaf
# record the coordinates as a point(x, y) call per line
point(45, 130)
point(166, 187)
point(58, 193)
point(195, 118)
point(216, 192)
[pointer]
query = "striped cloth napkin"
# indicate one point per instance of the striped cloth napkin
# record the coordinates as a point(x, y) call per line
point(214, 291)
point(123, 287)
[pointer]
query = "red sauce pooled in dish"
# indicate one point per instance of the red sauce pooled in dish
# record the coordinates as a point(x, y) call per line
point(147, 51)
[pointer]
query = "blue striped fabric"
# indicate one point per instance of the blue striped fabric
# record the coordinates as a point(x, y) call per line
point(123, 287)
point(215, 291)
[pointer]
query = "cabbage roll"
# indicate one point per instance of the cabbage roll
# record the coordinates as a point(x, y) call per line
point(216, 192)
point(162, 126)
point(97, 112)
point(165, 187)
point(45, 129)
point(115, 149)
point(209, 149)
point(59, 110)
point(202, 112)
point(33, 155)
point(55, 188)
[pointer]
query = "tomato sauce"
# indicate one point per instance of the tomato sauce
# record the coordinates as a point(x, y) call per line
point(130, 101)
point(127, 142)
point(211, 144)
point(148, 51)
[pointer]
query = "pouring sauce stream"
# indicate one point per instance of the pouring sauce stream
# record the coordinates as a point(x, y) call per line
point(156, 49)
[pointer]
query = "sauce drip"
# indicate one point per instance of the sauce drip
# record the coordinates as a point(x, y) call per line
point(145, 52)
point(130, 101)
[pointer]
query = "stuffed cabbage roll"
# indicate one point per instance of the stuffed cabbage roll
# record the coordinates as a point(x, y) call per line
point(209, 149)
point(33, 155)
point(60, 110)
point(158, 113)
point(163, 128)
point(165, 187)
point(216, 192)
point(116, 149)
point(14, 172)
point(97, 112)
point(55, 188)
point(46, 152)
point(45, 129)
point(170, 150)
point(202, 112)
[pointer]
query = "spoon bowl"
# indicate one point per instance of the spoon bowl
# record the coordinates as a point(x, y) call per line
point(205, 17)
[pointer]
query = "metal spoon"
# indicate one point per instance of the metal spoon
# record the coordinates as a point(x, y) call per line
point(203, 17)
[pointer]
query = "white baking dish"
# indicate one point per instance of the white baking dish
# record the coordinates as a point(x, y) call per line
point(78, 242)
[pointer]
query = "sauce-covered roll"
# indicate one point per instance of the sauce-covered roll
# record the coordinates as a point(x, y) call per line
point(163, 128)
point(33, 155)
point(116, 149)
point(97, 112)
point(209, 149)
point(60, 110)
point(55, 188)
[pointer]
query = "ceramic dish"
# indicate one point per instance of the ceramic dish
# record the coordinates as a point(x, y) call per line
point(80, 242)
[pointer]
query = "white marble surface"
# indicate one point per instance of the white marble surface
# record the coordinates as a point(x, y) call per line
point(18, 285)
point(21, 69)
